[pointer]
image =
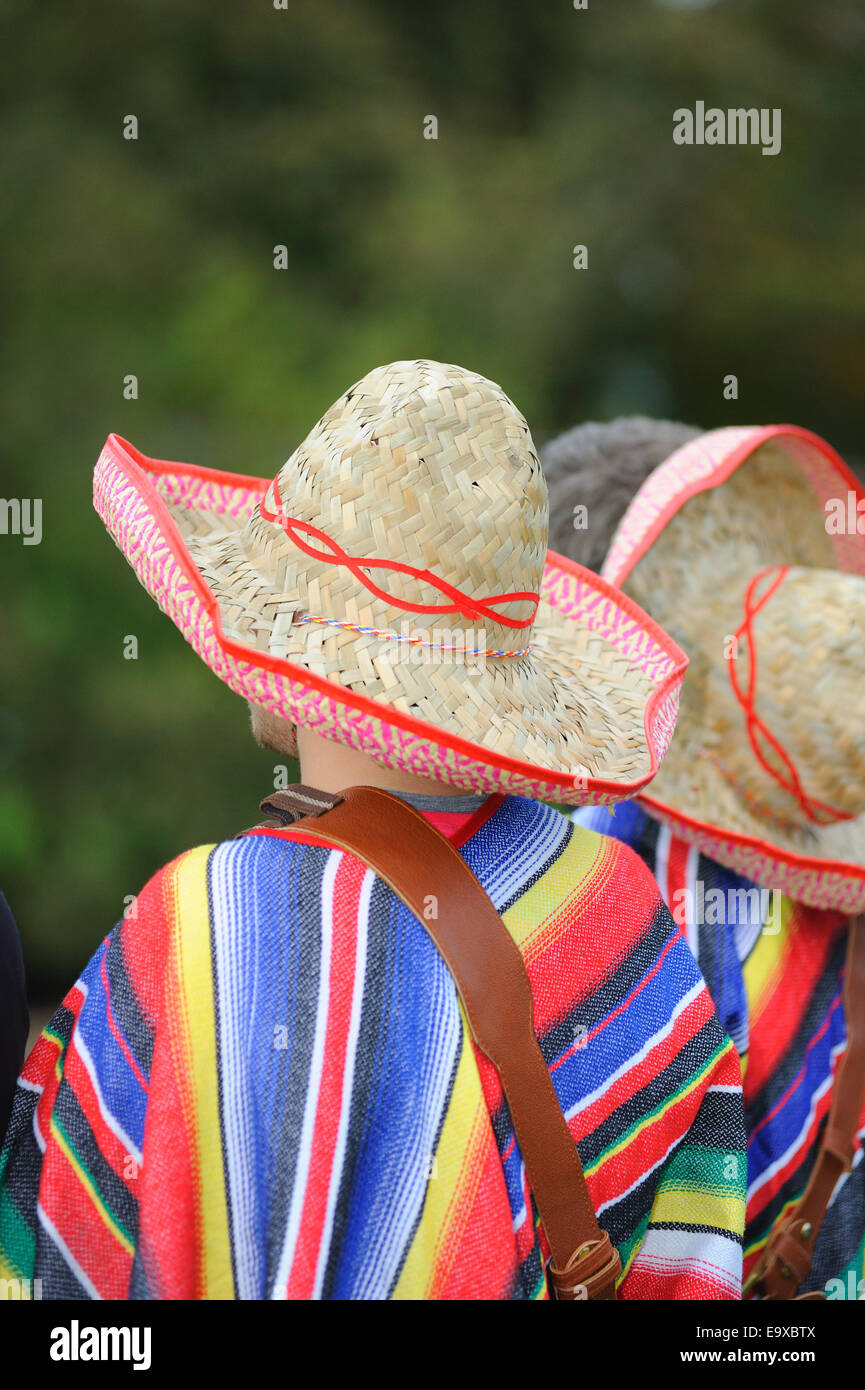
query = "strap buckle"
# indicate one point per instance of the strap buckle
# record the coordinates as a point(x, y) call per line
point(590, 1273)
point(784, 1264)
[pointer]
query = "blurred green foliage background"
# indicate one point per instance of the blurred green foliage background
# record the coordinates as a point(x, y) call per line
point(260, 126)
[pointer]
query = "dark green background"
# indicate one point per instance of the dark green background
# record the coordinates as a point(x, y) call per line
point(304, 127)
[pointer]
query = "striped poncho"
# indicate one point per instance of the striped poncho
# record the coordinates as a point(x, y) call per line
point(775, 970)
point(263, 1086)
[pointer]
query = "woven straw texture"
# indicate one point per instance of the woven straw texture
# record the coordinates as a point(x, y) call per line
point(432, 468)
point(807, 642)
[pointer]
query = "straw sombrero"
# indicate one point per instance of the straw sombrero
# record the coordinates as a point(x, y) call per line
point(749, 545)
point(391, 588)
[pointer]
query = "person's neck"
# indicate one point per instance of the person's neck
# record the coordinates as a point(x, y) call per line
point(330, 767)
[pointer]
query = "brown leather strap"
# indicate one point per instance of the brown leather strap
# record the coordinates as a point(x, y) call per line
point(436, 884)
point(786, 1260)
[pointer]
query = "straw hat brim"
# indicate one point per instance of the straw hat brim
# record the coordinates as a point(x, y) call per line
point(602, 678)
point(774, 518)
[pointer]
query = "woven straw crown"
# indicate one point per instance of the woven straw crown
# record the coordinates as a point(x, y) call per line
point(805, 652)
point(425, 464)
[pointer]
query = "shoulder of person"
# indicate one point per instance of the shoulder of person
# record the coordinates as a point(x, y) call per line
point(627, 870)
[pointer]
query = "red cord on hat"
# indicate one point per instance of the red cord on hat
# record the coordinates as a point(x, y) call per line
point(754, 723)
point(471, 608)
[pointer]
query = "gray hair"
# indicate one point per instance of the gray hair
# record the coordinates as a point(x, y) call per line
point(600, 467)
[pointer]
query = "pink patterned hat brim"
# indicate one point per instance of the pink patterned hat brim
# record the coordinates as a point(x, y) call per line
point(131, 493)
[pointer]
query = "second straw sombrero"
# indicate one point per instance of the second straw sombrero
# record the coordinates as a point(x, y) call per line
point(391, 589)
point(748, 545)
